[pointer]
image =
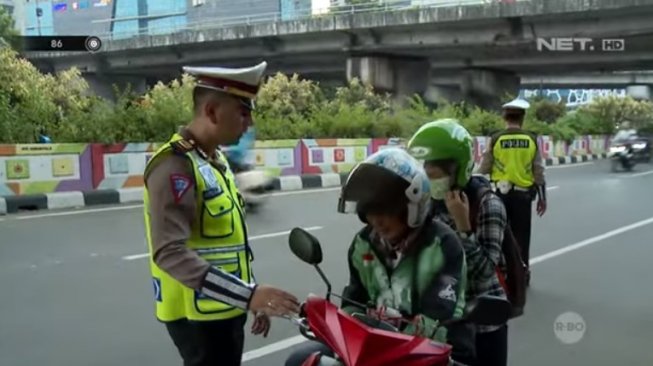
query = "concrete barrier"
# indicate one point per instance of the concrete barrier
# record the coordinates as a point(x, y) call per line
point(65, 200)
point(113, 173)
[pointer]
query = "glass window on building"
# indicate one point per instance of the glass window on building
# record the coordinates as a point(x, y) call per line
point(295, 9)
point(165, 17)
point(126, 24)
point(9, 9)
point(43, 24)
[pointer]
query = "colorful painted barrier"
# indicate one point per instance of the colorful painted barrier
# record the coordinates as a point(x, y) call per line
point(46, 168)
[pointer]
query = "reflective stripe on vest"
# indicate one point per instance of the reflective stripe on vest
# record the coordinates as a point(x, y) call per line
point(513, 159)
point(219, 235)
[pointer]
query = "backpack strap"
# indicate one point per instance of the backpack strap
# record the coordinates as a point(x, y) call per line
point(475, 205)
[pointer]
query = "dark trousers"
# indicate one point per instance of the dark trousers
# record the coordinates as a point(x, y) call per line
point(210, 343)
point(492, 348)
point(519, 209)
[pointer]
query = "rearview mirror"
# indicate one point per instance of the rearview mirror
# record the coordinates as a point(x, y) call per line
point(489, 310)
point(305, 246)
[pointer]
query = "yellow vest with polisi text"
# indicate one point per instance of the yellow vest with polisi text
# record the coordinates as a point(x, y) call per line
point(514, 153)
point(219, 235)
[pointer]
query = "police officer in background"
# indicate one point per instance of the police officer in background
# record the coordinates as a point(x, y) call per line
point(200, 258)
point(516, 167)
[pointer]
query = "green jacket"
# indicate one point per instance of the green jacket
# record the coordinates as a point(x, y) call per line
point(429, 280)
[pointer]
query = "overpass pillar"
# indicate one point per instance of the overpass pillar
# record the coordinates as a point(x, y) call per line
point(402, 77)
point(436, 93)
point(102, 85)
point(485, 87)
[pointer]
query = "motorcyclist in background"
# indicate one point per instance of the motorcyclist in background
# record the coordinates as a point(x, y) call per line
point(238, 155)
point(446, 149)
point(390, 193)
point(43, 138)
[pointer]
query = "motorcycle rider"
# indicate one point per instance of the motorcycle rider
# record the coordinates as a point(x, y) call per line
point(626, 135)
point(401, 259)
point(446, 149)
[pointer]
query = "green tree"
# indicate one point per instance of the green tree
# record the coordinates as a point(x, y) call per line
point(611, 111)
point(546, 110)
point(9, 36)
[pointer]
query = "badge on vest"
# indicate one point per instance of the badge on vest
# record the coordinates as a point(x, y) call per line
point(212, 193)
point(213, 189)
point(208, 176)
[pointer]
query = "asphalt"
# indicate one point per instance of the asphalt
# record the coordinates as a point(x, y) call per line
point(72, 299)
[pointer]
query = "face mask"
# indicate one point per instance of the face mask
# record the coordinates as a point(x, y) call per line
point(439, 188)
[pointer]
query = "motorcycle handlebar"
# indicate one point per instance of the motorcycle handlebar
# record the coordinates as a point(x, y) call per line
point(301, 323)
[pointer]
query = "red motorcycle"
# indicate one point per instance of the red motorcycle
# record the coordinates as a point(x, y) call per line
point(367, 340)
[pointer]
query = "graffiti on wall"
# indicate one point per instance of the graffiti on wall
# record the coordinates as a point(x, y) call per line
point(572, 97)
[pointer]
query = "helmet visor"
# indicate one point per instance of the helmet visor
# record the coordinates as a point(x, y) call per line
point(370, 188)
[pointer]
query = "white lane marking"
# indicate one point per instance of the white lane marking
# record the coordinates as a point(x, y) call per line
point(590, 241)
point(552, 188)
point(639, 174)
point(131, 207)
point(289, 342)
point(273, 348)
point(572, 165)
point(251, 238)
point(79, 212)
point(303, 191)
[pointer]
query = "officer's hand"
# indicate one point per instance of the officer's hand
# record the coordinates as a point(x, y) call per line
point(273, 301)
point(261, 324)
point(541, 207)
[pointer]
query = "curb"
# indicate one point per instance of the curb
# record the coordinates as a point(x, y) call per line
point(562, 160)
point(76, 199)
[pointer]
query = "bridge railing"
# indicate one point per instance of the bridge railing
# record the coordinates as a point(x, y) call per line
point(296, 14)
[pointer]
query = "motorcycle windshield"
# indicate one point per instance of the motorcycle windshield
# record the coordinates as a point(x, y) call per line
point(357, 344)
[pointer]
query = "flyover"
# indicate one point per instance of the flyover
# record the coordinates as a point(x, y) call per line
point(79, 293)
point(490, 44)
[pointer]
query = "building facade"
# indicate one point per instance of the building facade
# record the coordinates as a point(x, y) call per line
point(230, 12)
point(14, 8)
point(128, 18)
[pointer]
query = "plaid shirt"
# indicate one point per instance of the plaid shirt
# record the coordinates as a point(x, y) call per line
point(483, 249)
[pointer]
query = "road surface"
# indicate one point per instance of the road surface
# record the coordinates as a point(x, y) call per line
point(77, 292)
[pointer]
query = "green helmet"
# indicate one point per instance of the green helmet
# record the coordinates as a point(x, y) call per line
point(445, 139)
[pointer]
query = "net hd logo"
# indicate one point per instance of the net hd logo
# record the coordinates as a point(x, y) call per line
point(571, 44)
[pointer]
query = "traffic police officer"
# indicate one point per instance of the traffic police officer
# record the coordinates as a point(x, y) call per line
point(200, 257)
point(515, 166)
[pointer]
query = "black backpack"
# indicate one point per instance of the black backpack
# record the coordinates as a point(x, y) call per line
point(513, 276)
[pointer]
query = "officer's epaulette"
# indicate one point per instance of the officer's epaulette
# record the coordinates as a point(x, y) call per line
point(182, 146)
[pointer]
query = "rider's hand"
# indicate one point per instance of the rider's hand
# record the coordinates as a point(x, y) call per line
point(458, 207)
point(261, 324)
point(273, 301)
point(541, 207)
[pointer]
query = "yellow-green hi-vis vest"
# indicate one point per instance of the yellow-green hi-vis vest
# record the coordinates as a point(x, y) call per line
point(514, 153)
point(219, 235)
